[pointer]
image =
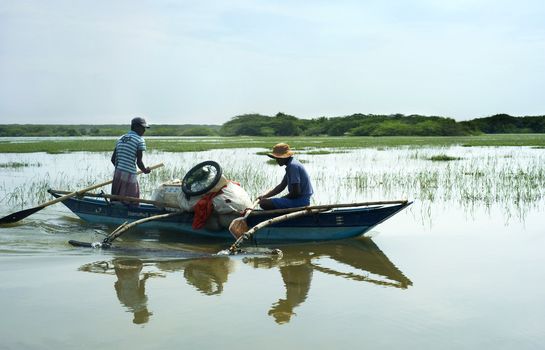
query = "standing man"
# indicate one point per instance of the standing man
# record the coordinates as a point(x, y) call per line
point(296, 180)
point(127, 155)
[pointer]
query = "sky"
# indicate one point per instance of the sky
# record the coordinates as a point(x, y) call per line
point(204, 62)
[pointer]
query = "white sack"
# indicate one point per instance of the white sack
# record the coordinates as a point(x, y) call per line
point(168, 192)
point(188, 204)
point(234, 199)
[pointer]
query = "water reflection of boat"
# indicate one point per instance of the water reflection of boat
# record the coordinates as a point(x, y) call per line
point(130, 286)
point(131, 289)
point(333, 224)
point(358, 260)
point(207, 275)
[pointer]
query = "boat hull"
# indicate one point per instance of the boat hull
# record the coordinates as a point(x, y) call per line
point(331, 225)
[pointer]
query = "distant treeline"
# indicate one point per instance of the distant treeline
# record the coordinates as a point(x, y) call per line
point(105, 130)
point(378, 125)
point(286, 125)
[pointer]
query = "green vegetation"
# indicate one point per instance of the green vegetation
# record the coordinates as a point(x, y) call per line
point(378, 125)
point(17, 165)
point(443, 158)
point(506, 124)
point(321, 152)
point(8, 130)
point(300, 144)
point(354, 125)
point(285, 125)
point(271, 161)
point(311, 152)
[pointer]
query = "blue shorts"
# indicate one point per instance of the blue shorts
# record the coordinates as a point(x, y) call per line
point(283, 203)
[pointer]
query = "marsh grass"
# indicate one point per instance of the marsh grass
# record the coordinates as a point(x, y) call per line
point(273, 162)
point(443, 158)
point(320, 152)
point(181, 144)
point(512, 180)
point(29, 194)
point(18, 164)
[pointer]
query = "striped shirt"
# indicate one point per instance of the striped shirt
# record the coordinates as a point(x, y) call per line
point(125, 151)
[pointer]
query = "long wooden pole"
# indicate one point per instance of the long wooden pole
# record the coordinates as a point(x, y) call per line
point(327, 207)
point(107, 242)
point(126, 199)
point(125, 226)
point(14, 217)
point(234, 247)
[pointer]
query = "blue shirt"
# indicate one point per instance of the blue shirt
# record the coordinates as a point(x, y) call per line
point(296, 174)
point(125, 151)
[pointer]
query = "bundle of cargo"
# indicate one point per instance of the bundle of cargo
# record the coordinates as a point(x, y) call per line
point(214, 199)
point(168, 193)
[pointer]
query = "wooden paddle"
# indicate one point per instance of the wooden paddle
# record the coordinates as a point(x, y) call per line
point(125, 199)
point(234, 247)
point(328, 206)
point(239, 226)
point(27, 212)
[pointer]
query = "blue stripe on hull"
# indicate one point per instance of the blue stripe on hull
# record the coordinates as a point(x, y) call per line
point(266, 234)
point(183, 228)
point(302, 234)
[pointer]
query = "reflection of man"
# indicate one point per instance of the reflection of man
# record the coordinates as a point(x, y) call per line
point(131, 290)
point(299, 262)
point(297, 281)
point(208, 275)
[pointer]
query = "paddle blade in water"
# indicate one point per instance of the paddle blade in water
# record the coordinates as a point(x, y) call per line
point(11, 218)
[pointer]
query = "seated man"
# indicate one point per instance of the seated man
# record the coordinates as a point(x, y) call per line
point(296, 180)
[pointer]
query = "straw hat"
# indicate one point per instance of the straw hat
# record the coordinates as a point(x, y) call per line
point(281, 150)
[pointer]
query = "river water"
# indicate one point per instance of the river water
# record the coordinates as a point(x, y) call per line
point(461, 268)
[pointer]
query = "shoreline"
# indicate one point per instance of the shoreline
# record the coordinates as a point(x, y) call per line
point(197, 144)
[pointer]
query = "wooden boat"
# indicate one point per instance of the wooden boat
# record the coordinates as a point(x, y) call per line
point(331, 224)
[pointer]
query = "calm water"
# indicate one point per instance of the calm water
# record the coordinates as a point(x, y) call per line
point(462, 268)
